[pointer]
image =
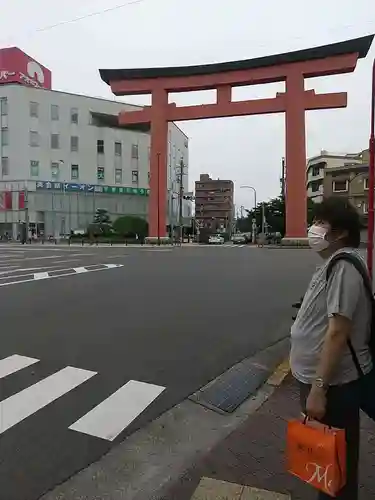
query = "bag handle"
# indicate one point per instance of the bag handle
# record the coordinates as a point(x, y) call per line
point(368, 286)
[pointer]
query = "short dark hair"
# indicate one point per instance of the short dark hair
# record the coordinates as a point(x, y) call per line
point(341, 215)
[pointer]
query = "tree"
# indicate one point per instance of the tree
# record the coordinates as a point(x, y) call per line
point(274, 211)
point(101, 225)
point(102, 216)
point(130, 225)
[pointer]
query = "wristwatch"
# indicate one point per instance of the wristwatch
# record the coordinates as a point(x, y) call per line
point(319, 382)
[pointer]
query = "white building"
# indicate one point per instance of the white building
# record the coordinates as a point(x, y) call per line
point(68, 155)
point(317, 165)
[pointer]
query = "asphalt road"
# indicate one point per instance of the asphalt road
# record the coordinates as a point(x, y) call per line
point(140, 329)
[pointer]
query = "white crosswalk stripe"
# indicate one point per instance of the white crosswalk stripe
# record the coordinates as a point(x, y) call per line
point(13, 364)
point(113, 415)
point(106, 421)
point(27, 402)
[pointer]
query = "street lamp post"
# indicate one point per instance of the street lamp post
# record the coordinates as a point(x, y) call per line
point(255, 207)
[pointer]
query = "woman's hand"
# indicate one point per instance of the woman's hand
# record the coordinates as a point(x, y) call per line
point(316, 403)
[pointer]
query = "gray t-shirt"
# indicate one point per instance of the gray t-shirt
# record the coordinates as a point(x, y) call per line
point(343, 294)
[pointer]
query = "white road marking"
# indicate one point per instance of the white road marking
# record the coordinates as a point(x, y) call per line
point(80, 254)
point(69, 272)
point(14, 363)
point(22, 259)
point(23, 404)
point(111, 266)
point(62, 261)
point(17, 269)
point(45, 257)
point(114, 414)
point(8, 272)
point(80, 270)
point(41, 276)
point(157, 249)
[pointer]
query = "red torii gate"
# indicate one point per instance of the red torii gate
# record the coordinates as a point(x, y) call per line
point(291, 67)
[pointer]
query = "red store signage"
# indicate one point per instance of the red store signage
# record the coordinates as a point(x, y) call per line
point(18, 67)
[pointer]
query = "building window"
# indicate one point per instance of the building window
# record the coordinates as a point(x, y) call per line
point(55, 170)
point(365, 207)
point(3, 106)
point(34, 168)
point(54, 112)
point(74, 172)
point(74, 115)
point(365, 183)
point(316, 170)
point(4, 136)
point(34, 139)
point(135, 176)
point(340, 186)
point(100, 173)
point(118, 148)
point(135, 151)
point(5, 165)
point(118, 175)
point(74, 143)
point(55, 141)
point(34, 109)
point(100, 146)
point(315, 186)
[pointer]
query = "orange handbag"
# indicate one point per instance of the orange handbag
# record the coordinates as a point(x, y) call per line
point(316, 454)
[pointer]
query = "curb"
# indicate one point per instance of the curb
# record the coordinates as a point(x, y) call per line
point(151, 461)
point(279, 375)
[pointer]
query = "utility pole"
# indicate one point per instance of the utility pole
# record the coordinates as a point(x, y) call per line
point(158, 212)
point(181, 199)
point(26, 202)
point(263, 219)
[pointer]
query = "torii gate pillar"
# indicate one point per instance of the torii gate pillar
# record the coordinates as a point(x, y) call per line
point(292, 68)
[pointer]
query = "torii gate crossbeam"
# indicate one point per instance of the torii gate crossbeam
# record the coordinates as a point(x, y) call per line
point(292, 68)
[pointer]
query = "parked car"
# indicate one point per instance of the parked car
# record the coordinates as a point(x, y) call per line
point(239, 239)
point(215, 239)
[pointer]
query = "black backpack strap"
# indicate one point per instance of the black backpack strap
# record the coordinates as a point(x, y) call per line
point(368, 286)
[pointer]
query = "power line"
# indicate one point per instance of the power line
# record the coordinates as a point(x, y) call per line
point(87, 16)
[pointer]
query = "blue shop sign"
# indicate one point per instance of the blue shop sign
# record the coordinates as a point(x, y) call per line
point(89, 188)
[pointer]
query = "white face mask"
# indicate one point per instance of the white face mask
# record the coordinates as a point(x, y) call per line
point(316, 236)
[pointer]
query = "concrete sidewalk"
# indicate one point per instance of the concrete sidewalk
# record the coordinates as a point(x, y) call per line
point(249, 463)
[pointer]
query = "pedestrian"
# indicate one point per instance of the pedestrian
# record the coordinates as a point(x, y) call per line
point(335, 309)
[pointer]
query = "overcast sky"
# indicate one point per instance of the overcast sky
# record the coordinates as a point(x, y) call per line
point(183, 32)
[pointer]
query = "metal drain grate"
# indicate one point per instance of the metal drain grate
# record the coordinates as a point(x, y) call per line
point(231, 389)
point(227, 392)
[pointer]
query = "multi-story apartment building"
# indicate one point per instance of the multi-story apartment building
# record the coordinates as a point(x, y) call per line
point(63, 155)
point(349, 180)
point(214, 203)
point(318, 165)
